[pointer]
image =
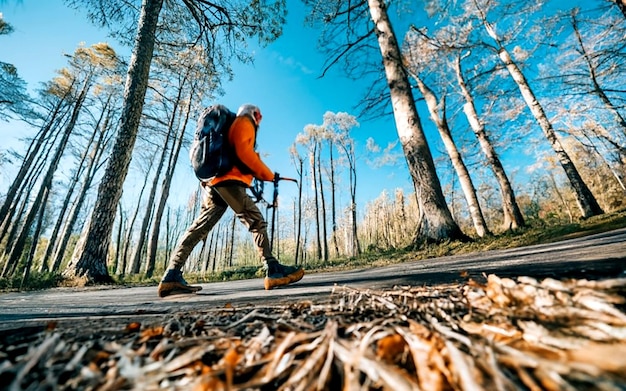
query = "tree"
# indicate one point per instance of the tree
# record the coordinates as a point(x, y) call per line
point(60, 97)
point(219, 29)
point(437, 55)
point(591, 68)
point(310, 138)
point(512, 216)
point(85, 65)
point(339, 125)
point(437, 110)
point(191, 85)
point(621, 5)
point(299, 165)
point(13, 96)
point(473, 19)
point(351, 29)
point(585, 199)
point(436, 222)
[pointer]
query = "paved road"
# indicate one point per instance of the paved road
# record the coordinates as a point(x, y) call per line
point(596, 256)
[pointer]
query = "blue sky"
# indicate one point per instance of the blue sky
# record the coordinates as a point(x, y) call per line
point(284, 82)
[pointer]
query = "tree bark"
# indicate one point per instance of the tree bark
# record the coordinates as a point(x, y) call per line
point(512, 216)
point(32, 152)
point(322, 210)
point(436, 222)
point(97, 151)
point(153, 242)
point(90, 260)
point(437, 110)
point(586, 201)
point(333, 191)
point(312, 160)
point(42, 195)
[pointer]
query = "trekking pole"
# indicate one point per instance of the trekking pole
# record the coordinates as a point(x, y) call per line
point(274, 205)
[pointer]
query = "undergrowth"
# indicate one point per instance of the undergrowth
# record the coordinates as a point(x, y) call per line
point(534, 233)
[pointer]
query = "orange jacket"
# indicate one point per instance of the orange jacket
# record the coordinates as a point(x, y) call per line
point(242, 138)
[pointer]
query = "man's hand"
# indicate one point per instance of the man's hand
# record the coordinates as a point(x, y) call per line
point(276, 177)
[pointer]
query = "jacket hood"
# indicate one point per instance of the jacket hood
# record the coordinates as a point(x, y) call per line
point(251, 110)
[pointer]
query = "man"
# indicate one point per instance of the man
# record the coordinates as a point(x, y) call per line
point(229, 190)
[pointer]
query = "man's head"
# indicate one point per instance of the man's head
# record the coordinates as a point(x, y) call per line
point(253, 111)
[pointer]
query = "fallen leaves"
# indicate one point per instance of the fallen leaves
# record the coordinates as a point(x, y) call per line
point(503, 334)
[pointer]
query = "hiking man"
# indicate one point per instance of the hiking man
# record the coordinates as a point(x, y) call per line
point(229, 190)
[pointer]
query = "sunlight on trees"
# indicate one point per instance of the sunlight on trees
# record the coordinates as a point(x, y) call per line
point(532, 107)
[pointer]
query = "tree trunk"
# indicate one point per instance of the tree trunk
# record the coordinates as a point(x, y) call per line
point(14, 227)
point(153, 242)
point(436, 222)
point(322, 201)
point(355, 245)
point(512, 216)
point(231, 250)
point(333, 191)
point(438, 115)
point(586, 201)
point(149, 210)
point(300, 171)
point(80, 168)
point(26, 180)
point(97, 151)
point(90, 260)
point(118, 241)
point(312, 160)
point(33, 245)
point(41, 198)
point(32, 152)
point(131, 225)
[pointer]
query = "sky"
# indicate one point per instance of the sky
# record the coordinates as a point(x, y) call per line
point(284, 82)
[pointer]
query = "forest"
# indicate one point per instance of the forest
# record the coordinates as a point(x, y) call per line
point(461, 87)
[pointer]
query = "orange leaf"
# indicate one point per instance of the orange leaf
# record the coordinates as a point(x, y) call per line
point(151, 333)
point(133, 327)
point(390, 348)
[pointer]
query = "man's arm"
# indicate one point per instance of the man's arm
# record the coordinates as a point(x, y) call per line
point(242, 137)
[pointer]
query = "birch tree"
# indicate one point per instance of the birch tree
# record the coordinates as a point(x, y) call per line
point(340, 125)
point(298, 161)
point(586, 201)
point(591, 67)
point(353, 29)
point(512, 216)
point(440, 54)
point(437, 110)
point(310, 139)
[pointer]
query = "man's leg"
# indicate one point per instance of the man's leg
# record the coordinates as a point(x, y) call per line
point(249, 214)
point(213, 208)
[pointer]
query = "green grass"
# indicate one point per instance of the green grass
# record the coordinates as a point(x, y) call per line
point(534, 233)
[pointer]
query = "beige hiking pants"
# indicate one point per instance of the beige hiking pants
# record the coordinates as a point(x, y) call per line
point(216, 200)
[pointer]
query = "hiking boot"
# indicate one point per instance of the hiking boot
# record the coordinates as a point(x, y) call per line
point(173, 283)
point(279, 275)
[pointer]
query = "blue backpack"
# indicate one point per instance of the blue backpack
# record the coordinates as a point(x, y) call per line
point(210, 153)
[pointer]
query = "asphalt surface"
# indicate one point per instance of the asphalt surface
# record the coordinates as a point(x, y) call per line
point(597, 256)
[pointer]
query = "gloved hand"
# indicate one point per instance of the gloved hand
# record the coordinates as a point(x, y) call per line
point(276, 177)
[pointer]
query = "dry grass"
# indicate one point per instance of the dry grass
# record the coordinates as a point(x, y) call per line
point(504, 334)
